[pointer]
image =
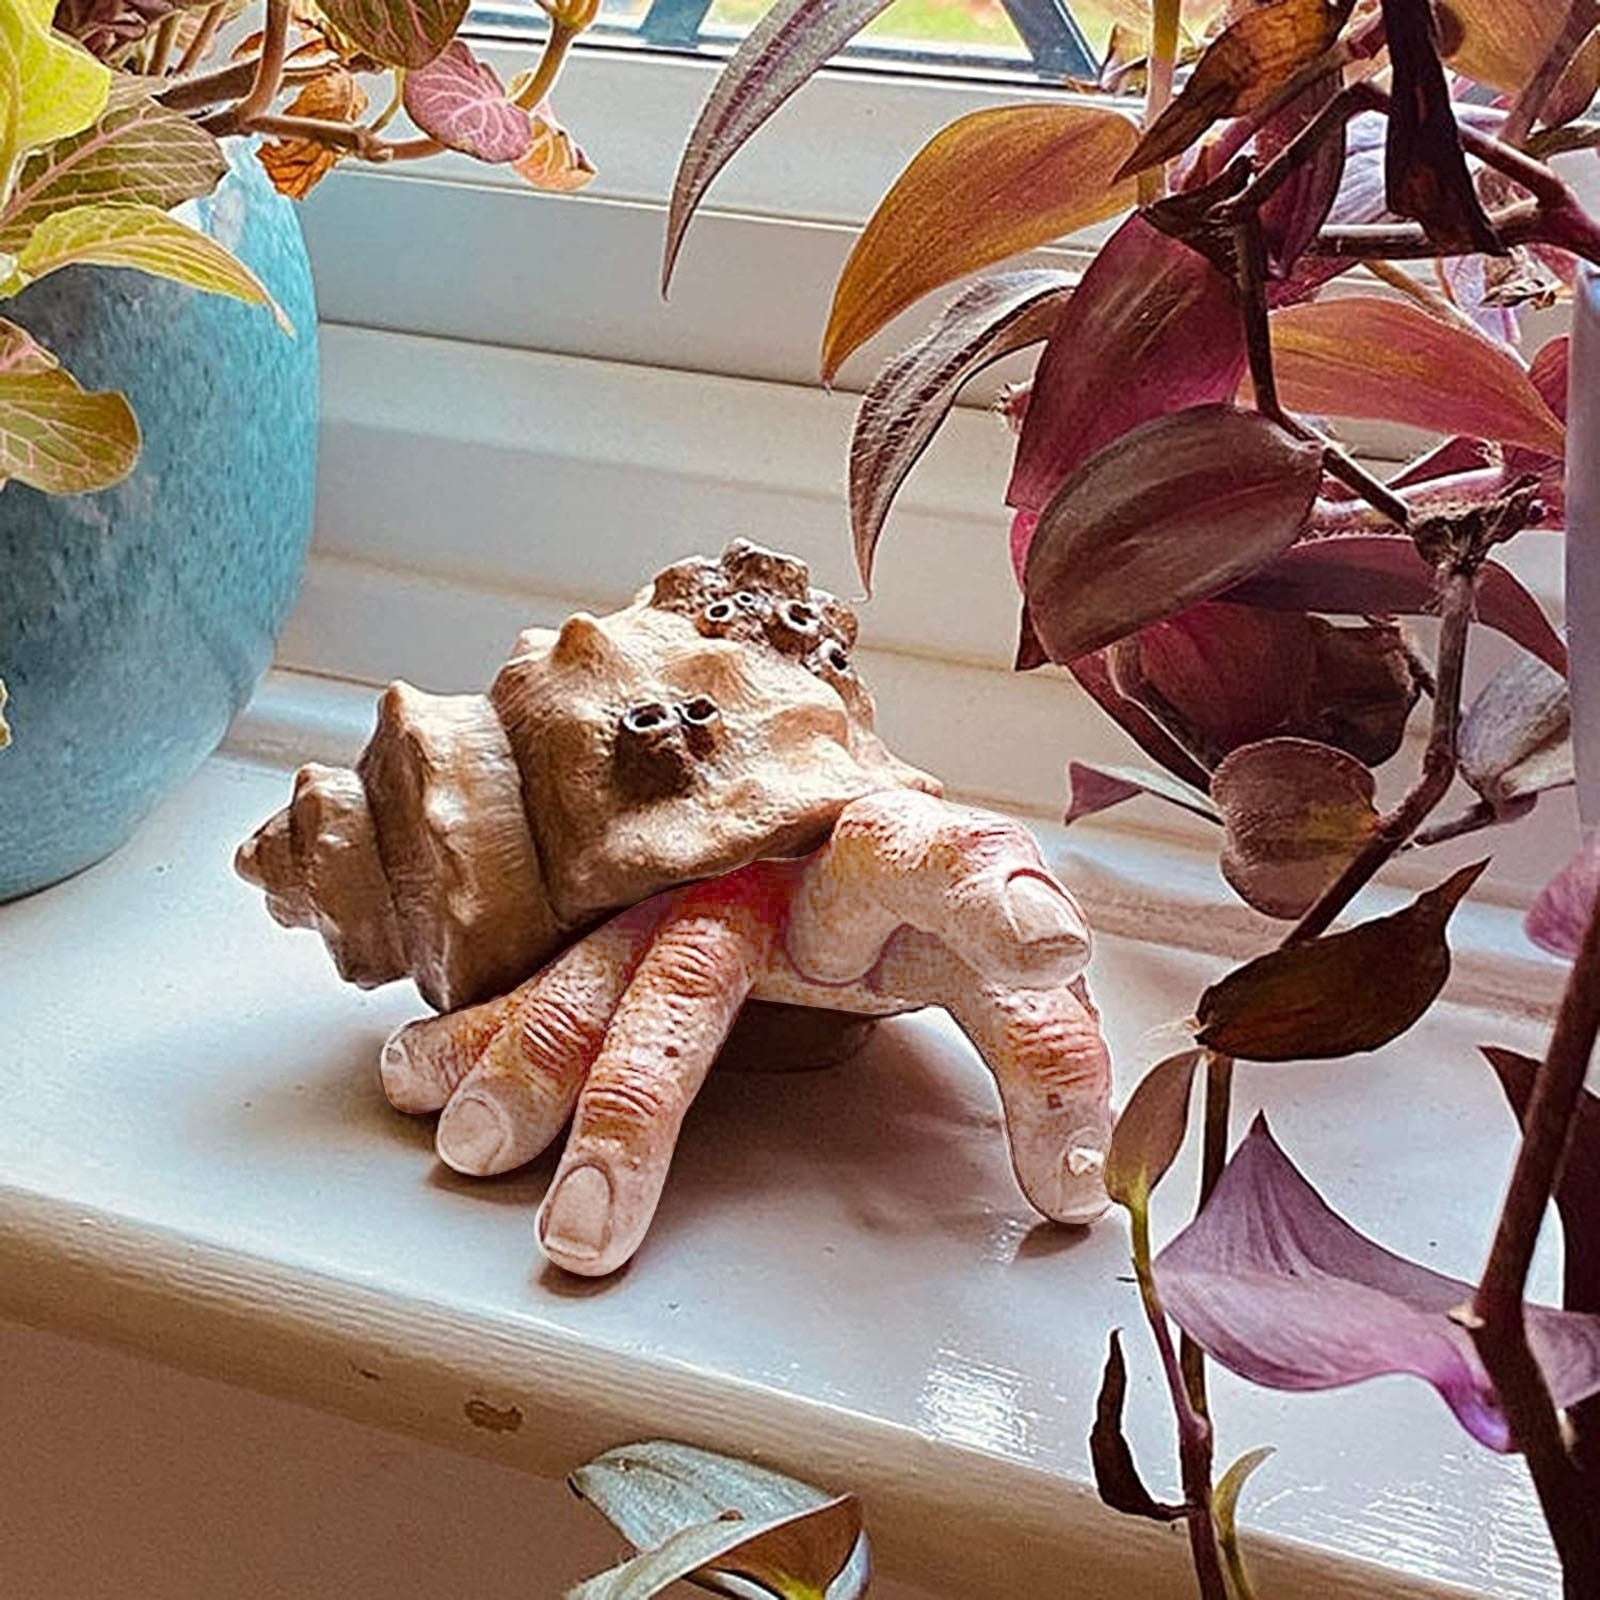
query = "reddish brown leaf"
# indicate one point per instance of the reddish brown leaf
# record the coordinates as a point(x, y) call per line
point(1290, 218)
point(1576, 88)
point(1547, 372)
point(1093, 673)
point(1178, 509)
point(1220, 675)
point(991, 185)
point(1094, 787)
point(398, 33)
point(1499, 42)
point(296, 166)
point(773, 60)
point(1360, 356)
point(1153, 328)
point(1240, 71)
point(1375, 574)
point(1296, 813)
point(1116, 1475)
point(913, 393)
point(1318, 1000)
point(1425, 172)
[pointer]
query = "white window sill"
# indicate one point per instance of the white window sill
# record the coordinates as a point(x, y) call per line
point(198, 1166)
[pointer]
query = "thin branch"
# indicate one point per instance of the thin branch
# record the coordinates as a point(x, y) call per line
point(161, 44)
point(1496, 1319)
point(269, 66)
point(227, 83)
point(1583, 16)
point(537, 89)
point(350, 136)
point(206, 31)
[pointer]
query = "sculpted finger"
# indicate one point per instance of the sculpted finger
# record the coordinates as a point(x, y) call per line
point(663, 1038)
point(974, 879)
point(422, 1063)
point(1049, 1061)
point(521, 1091)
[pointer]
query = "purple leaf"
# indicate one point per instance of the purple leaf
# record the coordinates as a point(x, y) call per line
point(1275, 1285)
point(1291, 218)
point(399, 33)
point(912, 395)
point(459, 101)
point(1153, 328)
point(1183, 506)
point(773, 60)
point(1093, 672)
point(1561, 913)
point(1116, 1474)
point(1370, 574)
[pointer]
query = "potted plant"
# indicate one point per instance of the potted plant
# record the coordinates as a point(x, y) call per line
point(1196, 545)
point(158, 377)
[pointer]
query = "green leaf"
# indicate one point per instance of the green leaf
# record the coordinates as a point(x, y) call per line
point(794, 1557)
point(399, 33)
point(60, 87)
point(655, 1490)
point(54, 436)
point(142, 237)
point(1340, 995)
point(1150, 1132)
point(1225, 1511)
point(137, 153)
point(1116, 1474)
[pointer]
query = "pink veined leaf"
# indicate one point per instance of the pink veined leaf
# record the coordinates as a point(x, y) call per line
point(459, 101)
point(399, 33)
point(1359, 356)
point(1376, 574)
point(1178, 509)
point(1562, 911)
point(1153, 328)
point(913, 393)
point(1270, 1281)
point(774, 60)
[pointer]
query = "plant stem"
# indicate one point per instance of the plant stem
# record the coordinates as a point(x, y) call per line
point(227, 83)
point(195, 51)
point(1583, 16)
point(1496, 1321)
point(1194, 1428)
point(1438, 766)
point(161, 44)
point(1158, 88)
point(532, 94)
point(1214, 1157)
point(269, 65)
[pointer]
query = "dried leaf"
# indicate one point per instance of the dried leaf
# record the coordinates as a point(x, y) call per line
point(297, 166)
point(656, 1489)
point(1151, 1130)
point(794, 1557)
point(137, 152)
point(142, 237)
point(1116, 1475)
point(1094, 788)
point(773, 60)
point(1240, 71)
point(1360, 356)
point(1276, 1286)
point(397, 33)
point(1295, 813)
point(55, 436)
point(1225, 1513)
point(1499, 42)
point(554, 162)
point(1561, 913)
point(1373, 574)
point(1153, 328)
point(991, 185)
point(1516, 738)
point(912, 395)
point(1317, 1000)
point(1425, 171)
point(1219, 675)
point(1173, 512)
point(460, 101)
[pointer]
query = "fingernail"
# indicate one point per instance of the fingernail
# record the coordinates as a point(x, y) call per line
point(472, 1133)
point(395, 1071)
point(577, 1217)
point(1041, 913)
point(1082, 1194)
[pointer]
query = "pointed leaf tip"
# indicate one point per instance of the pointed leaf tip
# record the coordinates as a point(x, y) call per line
point(1116, 1474)
point(1151, 1130)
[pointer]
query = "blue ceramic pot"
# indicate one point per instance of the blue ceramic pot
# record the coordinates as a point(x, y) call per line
point(134, 623)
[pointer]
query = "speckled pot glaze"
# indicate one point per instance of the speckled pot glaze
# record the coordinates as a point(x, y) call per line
point(134, 623)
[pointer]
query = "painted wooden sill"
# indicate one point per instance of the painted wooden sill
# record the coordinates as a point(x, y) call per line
point(196, 1164)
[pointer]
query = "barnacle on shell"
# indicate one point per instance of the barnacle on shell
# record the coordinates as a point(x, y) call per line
point(715, 721)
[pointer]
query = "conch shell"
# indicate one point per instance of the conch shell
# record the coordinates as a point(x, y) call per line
point(714, 722)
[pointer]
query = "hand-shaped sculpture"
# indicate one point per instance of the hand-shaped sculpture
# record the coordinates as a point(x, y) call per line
point(702, 767)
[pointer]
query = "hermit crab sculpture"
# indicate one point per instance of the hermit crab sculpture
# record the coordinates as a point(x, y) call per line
point(657, 829)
